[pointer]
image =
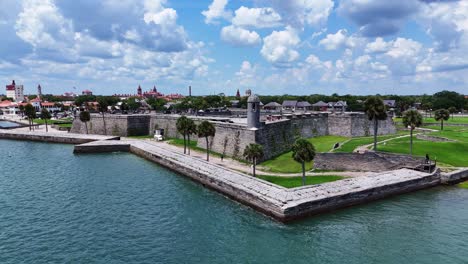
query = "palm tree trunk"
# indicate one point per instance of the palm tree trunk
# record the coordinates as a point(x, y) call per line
point(207, 150)
point(46, 128)
point(442, 124)
point(254, 166)
point(188, 143)
point(30, 126)
point(185, 145)
point(303, 174)
point(104, 123)
point(375, 133)
point(411, 141)
point(86, 126)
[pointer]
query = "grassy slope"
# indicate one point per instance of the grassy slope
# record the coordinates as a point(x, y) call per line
point(291, 182)
point(285, 163)
point(352, 144)
point(193, 146)
point(455, 120)
point(452, 153)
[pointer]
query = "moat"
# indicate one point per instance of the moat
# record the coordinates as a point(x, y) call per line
point(119, 208)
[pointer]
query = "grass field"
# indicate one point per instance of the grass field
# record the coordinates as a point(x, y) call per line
point(141, 137)
point(451, 153)
point(292, 182)
point(455, 120)
point(285, 164)
point(353, 143)
point(463, 185)
point(193, 145)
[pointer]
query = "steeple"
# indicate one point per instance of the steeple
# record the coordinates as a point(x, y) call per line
point(39, 91)
point(238, 94)
point(154, 89)
point(139, 91)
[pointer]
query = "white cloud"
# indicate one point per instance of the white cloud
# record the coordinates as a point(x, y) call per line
point(338, 40)
point(298, 13)
point(279, 47)
point(378, 46)
point(256, 17)
point(216, 10)
point(239, 36)
point(404, 48)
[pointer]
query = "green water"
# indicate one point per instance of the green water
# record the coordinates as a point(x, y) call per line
point(56, 207)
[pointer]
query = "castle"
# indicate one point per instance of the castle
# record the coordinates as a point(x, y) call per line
point(234, 134)
point(152, 93)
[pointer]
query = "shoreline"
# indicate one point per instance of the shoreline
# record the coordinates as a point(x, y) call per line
point(280, 203)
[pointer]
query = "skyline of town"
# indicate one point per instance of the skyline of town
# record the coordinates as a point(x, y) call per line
point(272, 47)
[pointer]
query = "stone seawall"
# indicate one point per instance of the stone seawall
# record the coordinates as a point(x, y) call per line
point(455, 177)
point(280, 203)
point(65, 138)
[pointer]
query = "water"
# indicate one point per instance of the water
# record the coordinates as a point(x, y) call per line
point(8, 124)
point(56, 207)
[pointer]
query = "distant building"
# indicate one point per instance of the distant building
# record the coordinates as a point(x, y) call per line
point(337, 106)
point(272, 106)
point(87, 92)
point(320, 106)
point(14, 91)
point(289, 105)
point(390, 103)
point(153, 93)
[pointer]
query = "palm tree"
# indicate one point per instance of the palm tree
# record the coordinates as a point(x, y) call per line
point(206, 129)
point(412, 119)
point(85, 117)
point(253, 152)
point(30, 112)
point(21, 108)
point(375, 110)
point(191, 129)
point(452, 110)
point(181, 126)
point(303, 151)
point(45, 115)
point(441, 115)
point(103, 109)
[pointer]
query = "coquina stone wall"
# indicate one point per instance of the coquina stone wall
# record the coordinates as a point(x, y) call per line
point(232, 138)
point(116, 125)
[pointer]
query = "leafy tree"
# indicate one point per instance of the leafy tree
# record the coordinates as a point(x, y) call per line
point(253, 152)
point(441, 115)
point(80, 100)
point(206, 129)
point(191, 129)
point(446, 99)
point(45, 115)
point(85, 117)
point(412, 119)
point(453, 110)
point(133, 103)
point(181, 125)
point(375, 110)
point(103, 104)
point(156, 103)
point(30, 112)
point(303, 151)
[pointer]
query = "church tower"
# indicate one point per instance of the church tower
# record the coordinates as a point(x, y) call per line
point(139, 91)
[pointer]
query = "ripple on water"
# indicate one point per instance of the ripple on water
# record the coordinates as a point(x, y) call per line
point(57, 207)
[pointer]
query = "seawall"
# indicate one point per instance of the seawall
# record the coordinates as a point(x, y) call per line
point(64, 138)
point(280, 203)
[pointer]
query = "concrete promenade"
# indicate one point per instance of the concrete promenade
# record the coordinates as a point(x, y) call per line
point(278, 202)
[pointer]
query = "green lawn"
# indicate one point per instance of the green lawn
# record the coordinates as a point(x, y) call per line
point(352, 144)
point(451, 153)
point(284, 163)
point(463, 185)
point(455, 120)
point(52, 121)
point(141, 137)
point(292, 182)
point(193, 146)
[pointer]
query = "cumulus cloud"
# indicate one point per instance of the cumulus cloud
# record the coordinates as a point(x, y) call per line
point(379, 18)
point(279, 48)
point(299, 13)
point(256, 17)
point(215, 11)
point(338, 40)
point(377, 46)
point(239, 37)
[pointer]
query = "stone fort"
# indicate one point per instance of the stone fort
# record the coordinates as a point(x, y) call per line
point(233, 134)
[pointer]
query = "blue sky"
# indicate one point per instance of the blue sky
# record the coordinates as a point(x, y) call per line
point(269, 46)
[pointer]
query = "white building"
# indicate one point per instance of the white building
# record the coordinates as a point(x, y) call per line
point(16, 92)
